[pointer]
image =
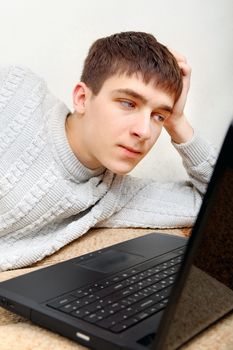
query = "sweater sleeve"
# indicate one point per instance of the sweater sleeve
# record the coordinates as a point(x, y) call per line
point(163, 205)
point(11, 77)
point(3, 74)
point(4, 71)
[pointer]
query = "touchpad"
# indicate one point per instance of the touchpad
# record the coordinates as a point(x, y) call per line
point(111, 261)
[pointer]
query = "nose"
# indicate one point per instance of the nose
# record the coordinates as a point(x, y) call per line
point(142, 127)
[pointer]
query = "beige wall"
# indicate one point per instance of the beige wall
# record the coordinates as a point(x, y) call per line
point(52, 37)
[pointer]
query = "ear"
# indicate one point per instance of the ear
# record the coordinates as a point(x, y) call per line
point(80, 95)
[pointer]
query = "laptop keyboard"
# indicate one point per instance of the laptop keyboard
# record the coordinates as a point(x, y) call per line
point(126, 298)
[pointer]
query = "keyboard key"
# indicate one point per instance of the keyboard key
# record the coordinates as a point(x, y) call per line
point(91, 318)
point(80, 313)
point(68, 308)
point(59, 302)
point(106, 323)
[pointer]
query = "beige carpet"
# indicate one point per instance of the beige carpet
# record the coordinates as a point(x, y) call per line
point(20, 334)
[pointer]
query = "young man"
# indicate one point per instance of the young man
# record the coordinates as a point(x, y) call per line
point(62, 173)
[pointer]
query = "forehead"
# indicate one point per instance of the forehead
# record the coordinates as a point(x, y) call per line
point(121, 84)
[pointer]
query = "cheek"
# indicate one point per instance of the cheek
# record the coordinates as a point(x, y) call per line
point(155, 135)
point(109, 122)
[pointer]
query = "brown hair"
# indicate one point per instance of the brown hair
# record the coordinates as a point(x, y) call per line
point(131, 53)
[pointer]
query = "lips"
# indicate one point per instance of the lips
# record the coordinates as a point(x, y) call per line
point(130, 149)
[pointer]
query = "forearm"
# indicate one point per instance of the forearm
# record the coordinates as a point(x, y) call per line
point(177, 125)
point(199, 158)
point(158, 205)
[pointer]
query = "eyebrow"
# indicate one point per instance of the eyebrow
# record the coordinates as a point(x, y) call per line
point(141, 98)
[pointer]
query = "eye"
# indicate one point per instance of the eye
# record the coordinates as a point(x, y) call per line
point(159, 118)
point(127, 104)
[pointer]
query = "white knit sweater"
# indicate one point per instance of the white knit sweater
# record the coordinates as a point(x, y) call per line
point(48, 198)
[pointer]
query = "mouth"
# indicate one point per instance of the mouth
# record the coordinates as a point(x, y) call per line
point(132, 152)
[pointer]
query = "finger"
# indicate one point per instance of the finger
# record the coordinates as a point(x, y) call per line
point(178, 56)
point(186, 70)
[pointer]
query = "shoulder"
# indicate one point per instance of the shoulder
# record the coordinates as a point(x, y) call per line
point(16, 75)
point(19, 84)
point(17, 69)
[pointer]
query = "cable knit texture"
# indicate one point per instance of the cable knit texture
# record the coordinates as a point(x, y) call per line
point(48, 198)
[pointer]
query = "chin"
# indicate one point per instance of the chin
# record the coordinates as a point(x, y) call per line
point(121, 172)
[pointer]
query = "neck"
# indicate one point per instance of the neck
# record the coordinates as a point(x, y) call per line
point(74, 134)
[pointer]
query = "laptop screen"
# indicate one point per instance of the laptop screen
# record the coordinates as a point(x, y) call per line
point(207, 294)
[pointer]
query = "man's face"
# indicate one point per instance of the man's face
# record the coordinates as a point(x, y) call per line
point(119, 126)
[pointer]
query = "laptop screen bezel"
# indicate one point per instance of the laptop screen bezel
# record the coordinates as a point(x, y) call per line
point(224, 160)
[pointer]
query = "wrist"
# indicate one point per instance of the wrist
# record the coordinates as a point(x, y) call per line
point(180, 131)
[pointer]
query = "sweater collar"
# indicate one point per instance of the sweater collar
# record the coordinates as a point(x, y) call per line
point(63, 151)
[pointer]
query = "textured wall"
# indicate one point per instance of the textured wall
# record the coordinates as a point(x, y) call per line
point(52, 37)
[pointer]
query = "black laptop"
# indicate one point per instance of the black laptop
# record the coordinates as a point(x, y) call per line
point(153, 292)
